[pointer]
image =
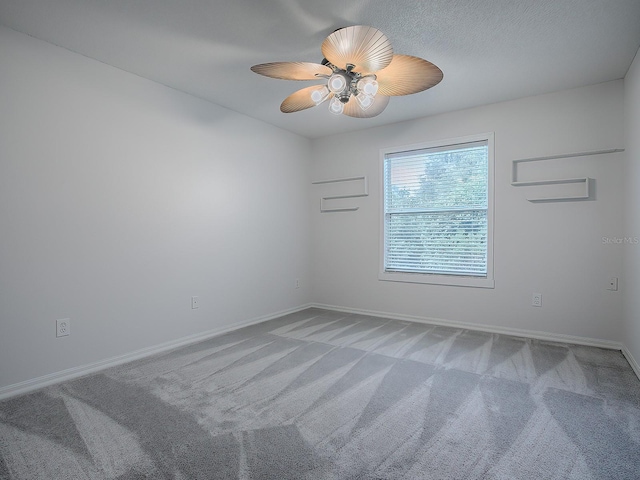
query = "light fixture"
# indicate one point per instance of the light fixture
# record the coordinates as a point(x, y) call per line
point(364, 100)
point(336, 106)
point(337, 82)
point(368, 85)
point(320, 95)
point(361, 73)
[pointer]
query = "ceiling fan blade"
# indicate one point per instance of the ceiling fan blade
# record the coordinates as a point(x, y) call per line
point(300, 100)
point(365, 47)
point(292, 70)
point(406, 75)
point(352, 107)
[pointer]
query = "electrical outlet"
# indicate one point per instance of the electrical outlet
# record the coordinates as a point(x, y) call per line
point(536, 300)
point(63, 327)
point(195, 302)
point(297, 284)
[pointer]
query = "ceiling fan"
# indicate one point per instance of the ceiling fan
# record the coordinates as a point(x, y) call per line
point(361, 73)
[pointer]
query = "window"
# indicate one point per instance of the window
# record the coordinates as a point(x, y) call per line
point(438, 213)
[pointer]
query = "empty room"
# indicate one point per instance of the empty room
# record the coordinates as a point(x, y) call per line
point(295, 239)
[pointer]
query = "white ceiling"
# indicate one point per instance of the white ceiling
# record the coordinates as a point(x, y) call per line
point(489, 50)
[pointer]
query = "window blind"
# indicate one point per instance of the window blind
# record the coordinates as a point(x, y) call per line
point(435, 210)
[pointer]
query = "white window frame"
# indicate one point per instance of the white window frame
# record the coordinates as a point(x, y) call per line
point(439, 279)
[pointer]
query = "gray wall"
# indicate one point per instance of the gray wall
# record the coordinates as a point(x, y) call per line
point(121, 198)
point(631, 287)
point(552, 248)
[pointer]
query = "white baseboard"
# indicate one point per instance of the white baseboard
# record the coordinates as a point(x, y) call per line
point(632, 361)
point(75, 372)
point(553, 337)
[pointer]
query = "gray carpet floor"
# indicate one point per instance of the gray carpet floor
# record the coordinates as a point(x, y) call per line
point(325, 395)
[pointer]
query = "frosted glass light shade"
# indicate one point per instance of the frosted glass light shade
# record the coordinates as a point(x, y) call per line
point(368, 85)
point(319, 96)
point(336, 106)
point(337, 83)
point(364, 100)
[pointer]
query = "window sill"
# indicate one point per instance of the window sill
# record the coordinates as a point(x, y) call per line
point(433, 279)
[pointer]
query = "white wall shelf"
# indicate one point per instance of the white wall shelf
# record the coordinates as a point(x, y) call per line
point(586, 193)
point(363, 193)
